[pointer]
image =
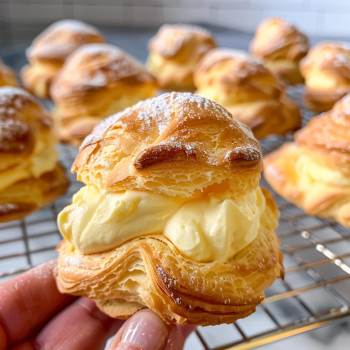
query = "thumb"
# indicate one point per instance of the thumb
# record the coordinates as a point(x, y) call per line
point(147, 331)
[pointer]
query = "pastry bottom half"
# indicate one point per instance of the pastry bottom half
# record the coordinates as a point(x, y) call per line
point(26, 196)
point(149, 272)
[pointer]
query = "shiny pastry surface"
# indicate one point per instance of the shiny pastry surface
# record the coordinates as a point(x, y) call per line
point(7, 76)
point(49, 51)
point(172, 216)
point(281, 46)
point(97, 81)
point(314, 171)
point(326, 70)
point(248, 90)
point(29, 174)
point(175, 51)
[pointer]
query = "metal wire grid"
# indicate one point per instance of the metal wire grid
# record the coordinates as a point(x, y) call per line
point(315, 291)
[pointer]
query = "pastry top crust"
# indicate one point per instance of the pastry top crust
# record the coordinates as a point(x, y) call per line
point(329, 133)
point(61, 38)
point(177, 42)
point(97, 66)
point(331, 57)
point(277, 39)
point(235, 69)
point(174, 144)
point(21, 118)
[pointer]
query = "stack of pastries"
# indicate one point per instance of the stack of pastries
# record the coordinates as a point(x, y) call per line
point(50, 49)
point(7, 76)
point(248, 90)
point(326, 70)
point(172, 216)
point(314, 171)
point(175, 52)
point(96, 81)
point(281, 46)
point(30, 176)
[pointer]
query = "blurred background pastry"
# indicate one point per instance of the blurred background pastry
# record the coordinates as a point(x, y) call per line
point(96, 81)
point(7, 76)
point(30, 176)
point(175, 52)
point(50, 49)
point(248, 90)
point(281, 46)
point(326, 70)
point(314, 171)
point(172, 216)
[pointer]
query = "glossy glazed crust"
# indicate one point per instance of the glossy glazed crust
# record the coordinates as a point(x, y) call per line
point(325, 140)
point(27, 196)
point(150, 272)
point(330, 62)
point(280, 44)
point(248, 90)
point(175, 52)
point(49, 51)
point(97, 81)
point(7, 76)
point(174, 144)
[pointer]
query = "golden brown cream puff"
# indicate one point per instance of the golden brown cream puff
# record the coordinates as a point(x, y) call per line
point(172, 216)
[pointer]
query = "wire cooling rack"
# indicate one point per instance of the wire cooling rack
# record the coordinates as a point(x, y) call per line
point(315, 291)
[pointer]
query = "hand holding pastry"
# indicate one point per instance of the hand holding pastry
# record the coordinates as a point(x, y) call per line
point(175, 52)
point(50, 49)
point(281, 46)
point(248, 90)
point(34, 315)
point(7, 76)
point(326, 70)
point(172, 216)
point(96, 81)
point(30, 176)
point(314, 171)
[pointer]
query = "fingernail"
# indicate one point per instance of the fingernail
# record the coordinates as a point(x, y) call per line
point(146, 331)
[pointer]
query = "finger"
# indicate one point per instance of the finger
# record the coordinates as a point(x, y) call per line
point(177, 337)
point(80, 326)
point(27, 302)
point(143, 331)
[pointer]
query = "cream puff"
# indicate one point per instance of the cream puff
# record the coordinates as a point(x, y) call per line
point(7, 76)
point(30, 176)
point(314, 171)
point(50, 49)
point(281, 46)
point(175, 52)
point(326, 70)
point(172, 217)
point(96, 81)
point(248, 90)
